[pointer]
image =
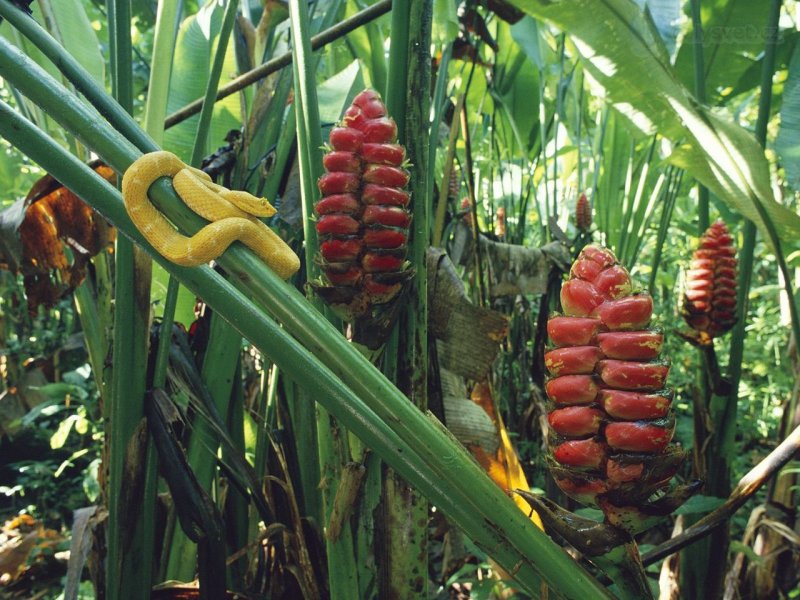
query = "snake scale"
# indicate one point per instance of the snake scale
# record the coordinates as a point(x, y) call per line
point(233, 216)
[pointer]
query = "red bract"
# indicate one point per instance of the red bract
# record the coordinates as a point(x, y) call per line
point(363, 220)
point(607, 388)
point(709, 305)
point(583, 213)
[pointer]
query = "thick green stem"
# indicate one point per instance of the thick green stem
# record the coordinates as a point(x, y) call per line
point(130, 538)
point(405, 511)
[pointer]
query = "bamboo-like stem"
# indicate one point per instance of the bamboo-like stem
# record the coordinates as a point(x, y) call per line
point(700, 94)
point(441, 206)
point(130, 543)
point(284, 60)
point(224, 345)
point(698, 578)
point(398, 62)
point(468, 496)
point(405, 511)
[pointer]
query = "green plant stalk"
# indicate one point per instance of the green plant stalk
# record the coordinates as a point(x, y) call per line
point(224, 343)
point(697, 577)
point(631, 219)
point(309, 134)
point(263, 132)
point(405, 510)
point(236, 506)
point(343, 579)
point(749, 234)
point(219, 366)
point(201, 136)
point(441, 205)
point(160, 69)
point(439, 97)
point(395, 91)
point(96, 341)
point(520, 541)
point(282, 154)
point(673, 185)
point(644, 214)
point(700, 92)
point(378, 68)
point(130, 544)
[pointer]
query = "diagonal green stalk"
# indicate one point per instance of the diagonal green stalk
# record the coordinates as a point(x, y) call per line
point(437, 464)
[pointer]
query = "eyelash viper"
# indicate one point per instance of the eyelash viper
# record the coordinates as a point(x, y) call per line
point(232, 215)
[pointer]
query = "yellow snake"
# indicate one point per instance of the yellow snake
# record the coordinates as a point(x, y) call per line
point(232, 215)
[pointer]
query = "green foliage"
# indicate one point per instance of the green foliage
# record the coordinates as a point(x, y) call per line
point(541, 133)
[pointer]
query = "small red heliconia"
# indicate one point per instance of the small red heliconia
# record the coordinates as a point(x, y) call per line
point(709, 303)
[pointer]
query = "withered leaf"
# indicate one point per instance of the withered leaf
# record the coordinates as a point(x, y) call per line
point(50, 237)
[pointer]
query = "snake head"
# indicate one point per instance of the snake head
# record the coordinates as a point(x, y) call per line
point(258, 207)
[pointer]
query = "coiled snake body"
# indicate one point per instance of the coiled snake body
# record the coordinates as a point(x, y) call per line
point(233, 216)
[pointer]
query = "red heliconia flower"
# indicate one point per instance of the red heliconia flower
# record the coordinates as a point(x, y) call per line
point(363, 215)
point(583, 213)
point(709, 303)
point(610, 420)
point(454, 185)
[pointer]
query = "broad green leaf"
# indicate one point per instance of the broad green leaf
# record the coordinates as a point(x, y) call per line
point(787, 144)
point(73, 29)
point(59, 438)
point(733, 38)
point(516, 89)
point(445, 21)
point(624, 54)
point(332, 93)
point(526, 34)
point(666, 16)
point(196, 43)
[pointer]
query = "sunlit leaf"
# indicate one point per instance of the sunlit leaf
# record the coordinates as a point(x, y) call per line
point(624, 54)
point(733, 38)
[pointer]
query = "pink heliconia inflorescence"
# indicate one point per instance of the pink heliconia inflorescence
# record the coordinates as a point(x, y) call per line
point(610, 418)
point(709, 301)
point(363, 215)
